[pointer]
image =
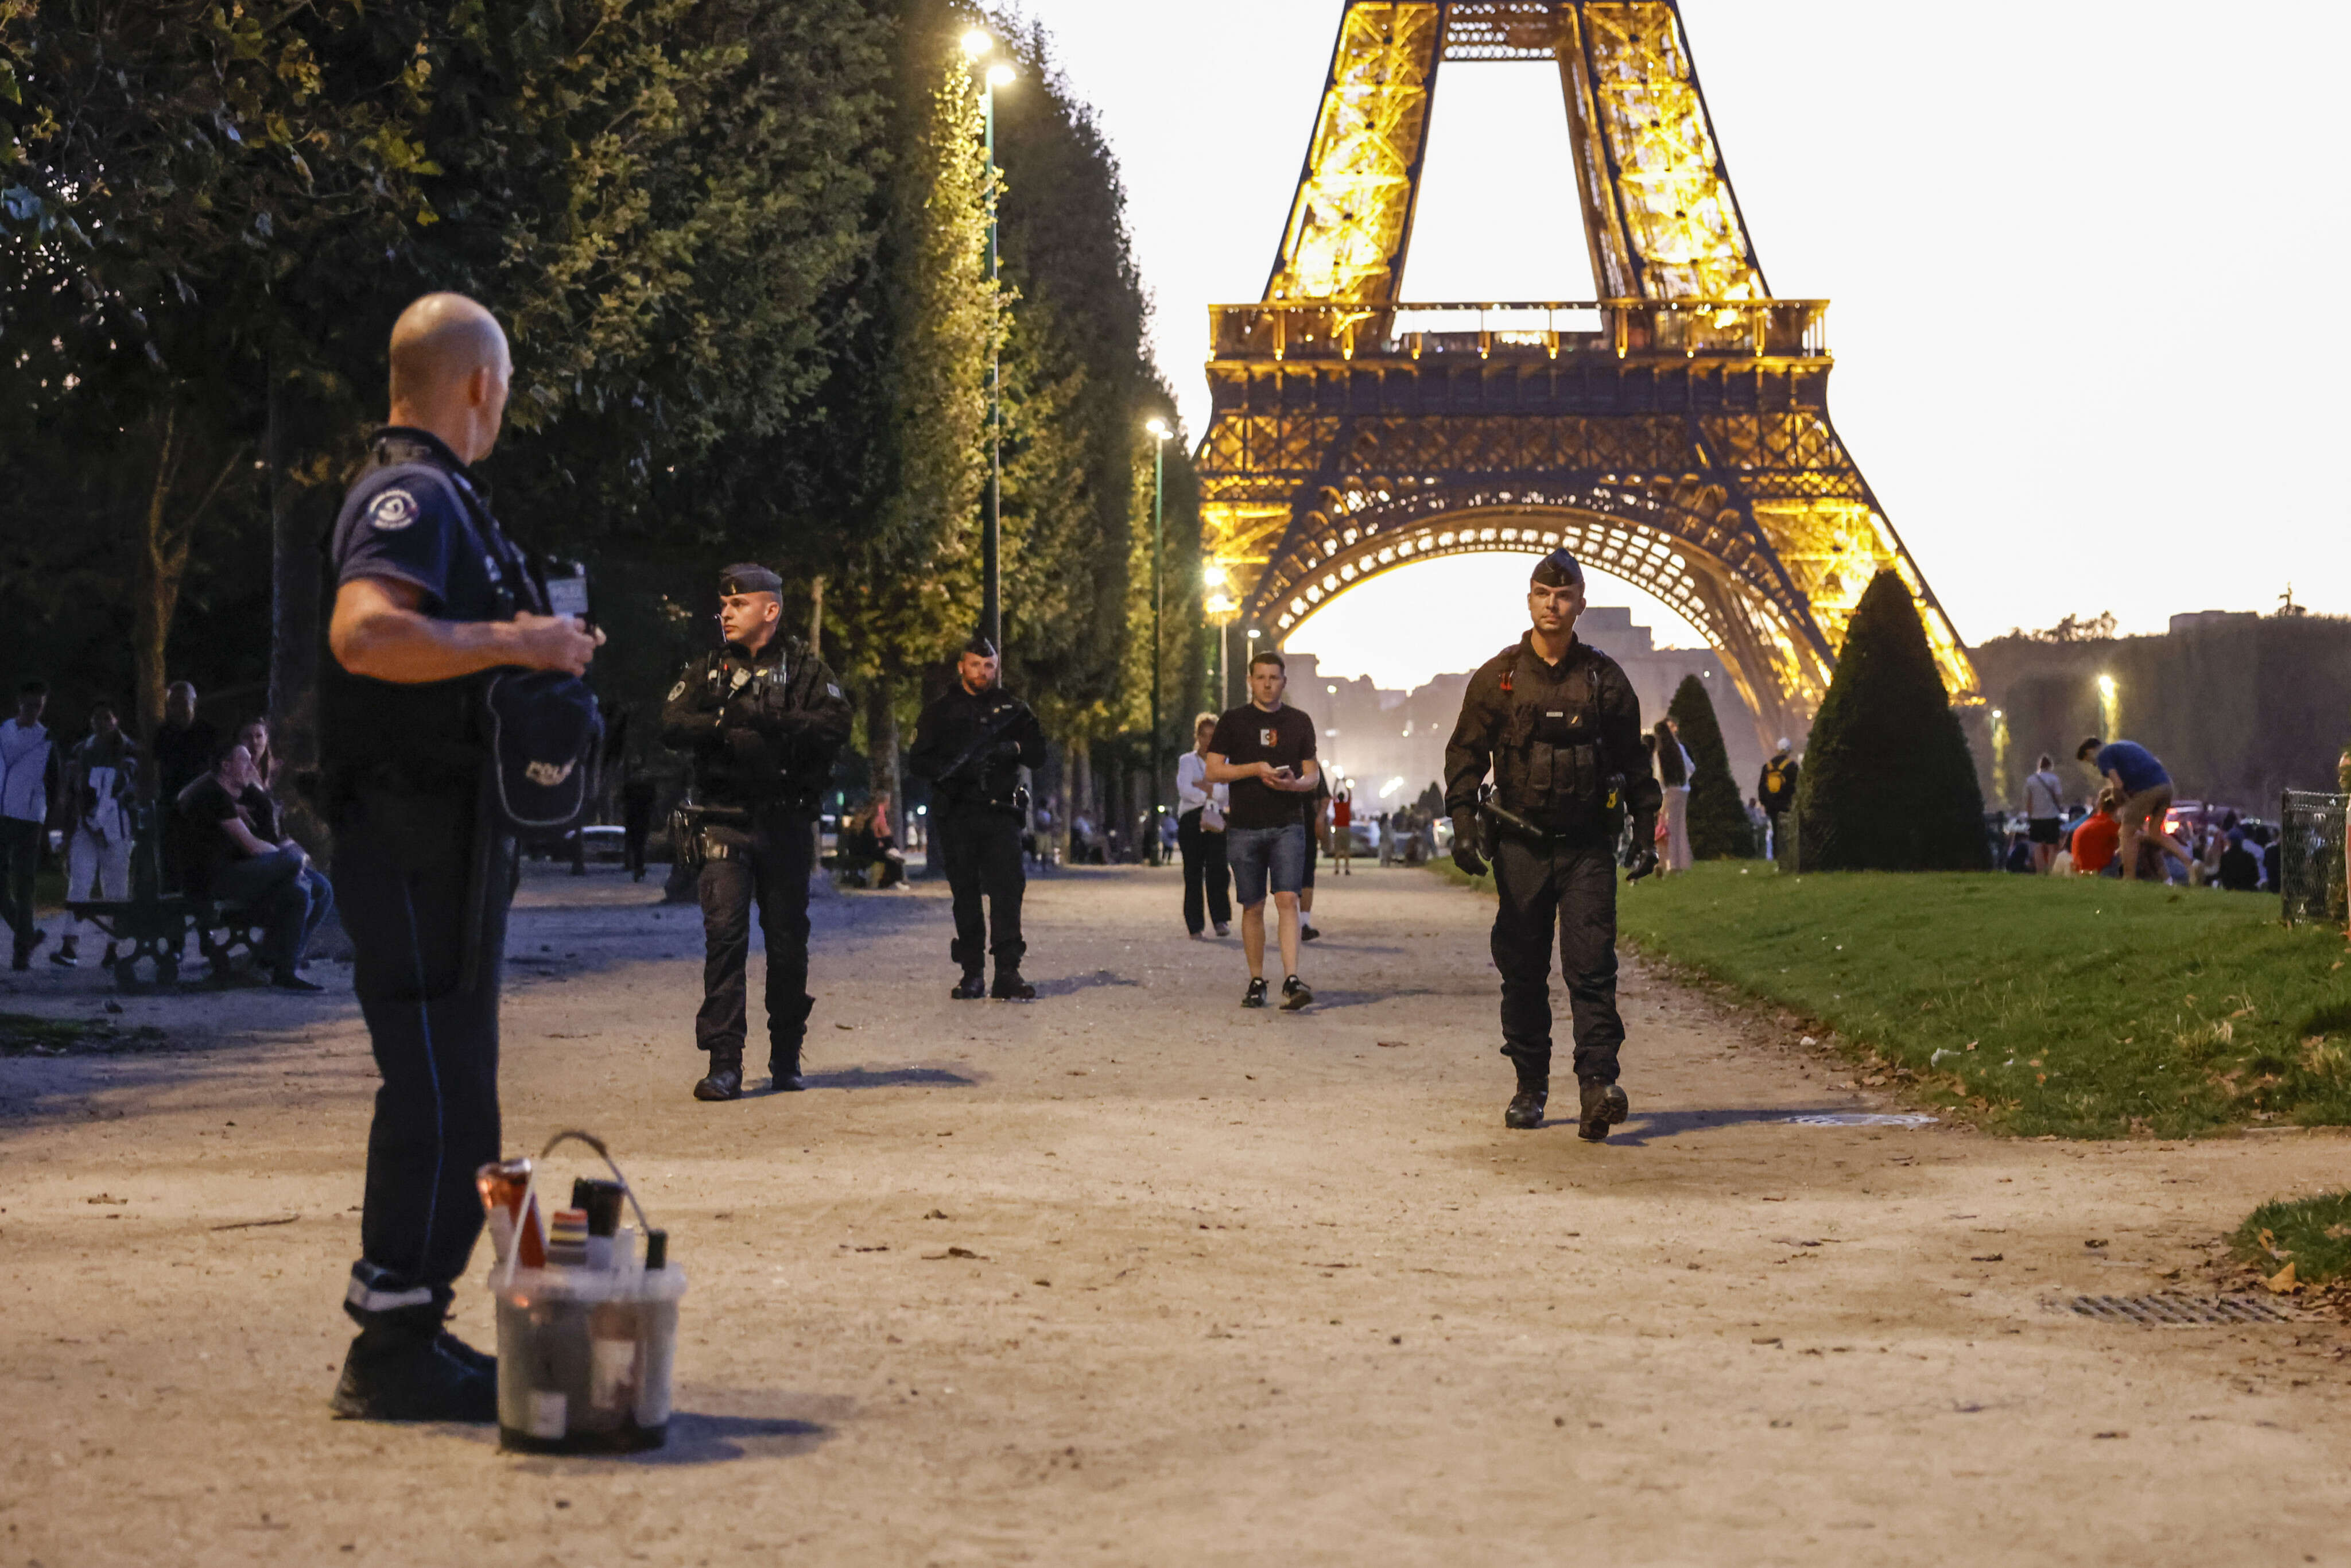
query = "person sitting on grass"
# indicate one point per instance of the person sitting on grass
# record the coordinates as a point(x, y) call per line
point(2097, 837)
point(2240, 869)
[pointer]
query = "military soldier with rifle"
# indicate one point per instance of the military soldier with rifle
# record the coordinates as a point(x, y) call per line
point(763, 719)
point(972, 744)
point(1558, 724)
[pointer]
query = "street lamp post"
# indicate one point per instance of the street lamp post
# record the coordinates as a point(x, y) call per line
point(1159, 434)
point(976, 46)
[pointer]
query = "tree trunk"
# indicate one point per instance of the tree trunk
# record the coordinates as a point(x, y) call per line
point(157, 585)
point(1082, 787)
point(164, 536)
point(297, 574)
point(1061, 799)
point(882, 746)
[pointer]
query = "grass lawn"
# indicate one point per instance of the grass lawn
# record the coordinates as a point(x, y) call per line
point(2314, 1234)
point(2084, 1007)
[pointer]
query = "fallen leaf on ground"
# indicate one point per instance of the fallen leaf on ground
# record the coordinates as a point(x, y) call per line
point(2282, 1282)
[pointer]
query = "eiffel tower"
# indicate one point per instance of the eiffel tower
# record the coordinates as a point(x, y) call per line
point(1674, 433)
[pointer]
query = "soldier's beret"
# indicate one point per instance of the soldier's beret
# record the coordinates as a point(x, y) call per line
point(981, 646)
point(748, 577)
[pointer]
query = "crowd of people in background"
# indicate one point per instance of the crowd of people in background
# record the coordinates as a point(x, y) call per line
point(222, 839)
point(2128, 828)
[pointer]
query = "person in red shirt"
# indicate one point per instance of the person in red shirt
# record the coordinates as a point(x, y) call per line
point(1342, 824)
point(2097, 838)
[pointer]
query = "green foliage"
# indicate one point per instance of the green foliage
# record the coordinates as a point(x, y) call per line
point(2314, 1234)
point(1719, 828)
point(2079, 1006)
point(740, 249)
point(1888, 783)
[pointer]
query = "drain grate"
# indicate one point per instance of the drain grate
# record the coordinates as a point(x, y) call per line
point(2173, 1311)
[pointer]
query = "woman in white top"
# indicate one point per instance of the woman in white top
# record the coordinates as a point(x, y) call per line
point(1200, 835)
point(2044, 805)
point(1674, 770)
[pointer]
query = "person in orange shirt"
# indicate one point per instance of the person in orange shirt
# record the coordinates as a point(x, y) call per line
point(2097, 837)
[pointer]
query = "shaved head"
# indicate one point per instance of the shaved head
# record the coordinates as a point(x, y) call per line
point(438, 342)
point(449, 372)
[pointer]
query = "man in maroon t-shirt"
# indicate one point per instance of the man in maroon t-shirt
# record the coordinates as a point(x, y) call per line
point(1264, 750)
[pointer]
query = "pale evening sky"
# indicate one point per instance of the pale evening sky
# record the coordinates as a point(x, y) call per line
point(2081, 259)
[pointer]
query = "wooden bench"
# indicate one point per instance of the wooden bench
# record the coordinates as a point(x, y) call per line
point(152, 926)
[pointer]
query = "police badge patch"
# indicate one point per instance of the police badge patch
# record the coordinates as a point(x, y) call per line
point(677, 691)
point(392, 510)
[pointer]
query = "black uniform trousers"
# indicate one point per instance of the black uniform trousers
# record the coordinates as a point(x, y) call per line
point(769, 860)
point(1571, 884)
point(20, 862)
point(1208, 880)
point(403, 866)
point(981, 846)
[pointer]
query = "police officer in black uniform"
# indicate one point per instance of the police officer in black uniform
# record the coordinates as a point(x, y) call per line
point(429, 595)
point(972, 744)
point(764, 719)
point(1559, 725)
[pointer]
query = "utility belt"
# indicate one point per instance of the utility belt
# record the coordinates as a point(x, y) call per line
point(1017, 802)
point(1494, 820)
point(693, 843)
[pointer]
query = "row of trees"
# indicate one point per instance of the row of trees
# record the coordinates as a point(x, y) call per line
point(739, 248)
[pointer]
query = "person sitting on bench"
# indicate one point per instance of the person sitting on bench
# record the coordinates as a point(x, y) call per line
point(230, 863)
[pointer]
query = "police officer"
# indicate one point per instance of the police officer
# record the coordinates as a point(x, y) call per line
point(763, 719)
point(972, 744)
point(1559, 725)
point(428, 593)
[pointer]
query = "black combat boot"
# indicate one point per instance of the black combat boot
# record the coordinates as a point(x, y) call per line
point(1605, 1106)
point(404, 1366)
point(1526, 1110)
point(1010, 987)
point(784, 1071)
point(724, 1079)
point(972, 986)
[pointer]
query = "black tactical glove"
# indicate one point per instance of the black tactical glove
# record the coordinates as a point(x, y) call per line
point(1645, 852)
point(1465, 845)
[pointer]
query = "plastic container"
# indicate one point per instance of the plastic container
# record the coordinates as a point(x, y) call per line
point(586, 1355)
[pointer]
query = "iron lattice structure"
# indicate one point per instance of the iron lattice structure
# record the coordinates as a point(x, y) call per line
point(1675, 432)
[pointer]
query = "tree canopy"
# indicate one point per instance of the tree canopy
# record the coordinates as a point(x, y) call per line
point(739, 248)
point(1888, 783)
point(1719, 828)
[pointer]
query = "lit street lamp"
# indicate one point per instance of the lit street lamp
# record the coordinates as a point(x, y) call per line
point(1159, 434)
point(975, 46)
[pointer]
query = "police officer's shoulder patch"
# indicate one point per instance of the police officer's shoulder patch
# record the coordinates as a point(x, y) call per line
point(392, 510)
point(677, 691)
point(832, 691)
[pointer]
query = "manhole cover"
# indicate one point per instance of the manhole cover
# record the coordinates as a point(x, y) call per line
point(2170, 1310)
point(1860, 1119)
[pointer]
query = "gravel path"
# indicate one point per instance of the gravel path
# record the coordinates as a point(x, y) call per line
point(1242, 1287)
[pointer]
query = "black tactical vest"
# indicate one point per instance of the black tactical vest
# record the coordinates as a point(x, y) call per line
point(1547, 764)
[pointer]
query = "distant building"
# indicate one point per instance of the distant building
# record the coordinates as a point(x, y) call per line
point(2239, 707)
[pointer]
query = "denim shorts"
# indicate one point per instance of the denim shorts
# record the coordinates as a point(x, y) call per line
point(1256, 853)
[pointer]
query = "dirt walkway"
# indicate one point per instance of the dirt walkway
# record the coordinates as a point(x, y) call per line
point(1249, 1287)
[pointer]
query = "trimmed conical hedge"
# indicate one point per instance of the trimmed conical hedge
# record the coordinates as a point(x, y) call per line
point(1719, 828)
point(1888, 783)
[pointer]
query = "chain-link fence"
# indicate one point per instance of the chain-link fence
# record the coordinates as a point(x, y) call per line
point(2310, 855)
